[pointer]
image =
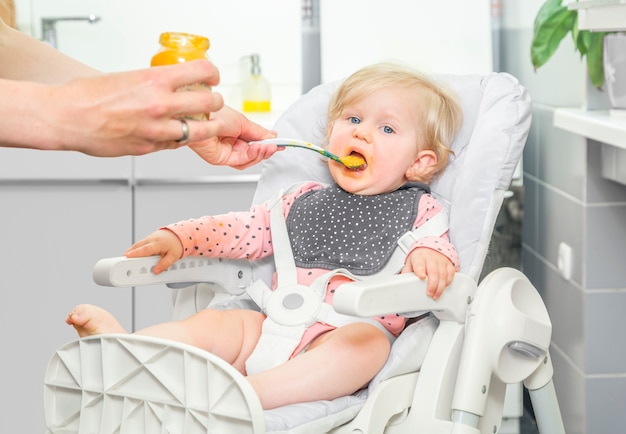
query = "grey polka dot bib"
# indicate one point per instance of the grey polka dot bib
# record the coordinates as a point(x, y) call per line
point(331, 228)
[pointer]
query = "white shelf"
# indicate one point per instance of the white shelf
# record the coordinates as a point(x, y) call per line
point(598, 125)
point(601, 15)
point(586, 4)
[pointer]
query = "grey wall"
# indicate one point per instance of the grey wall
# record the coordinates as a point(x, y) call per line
point(567, 200)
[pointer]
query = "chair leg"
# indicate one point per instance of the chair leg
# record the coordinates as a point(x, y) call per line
point(546, 409)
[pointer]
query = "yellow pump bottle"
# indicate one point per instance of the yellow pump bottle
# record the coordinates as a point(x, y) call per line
point(256, 88)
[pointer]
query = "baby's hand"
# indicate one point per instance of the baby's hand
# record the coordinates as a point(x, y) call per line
point(163, 243)
point(431, 265)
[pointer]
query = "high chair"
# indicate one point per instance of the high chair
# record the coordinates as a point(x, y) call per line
point(447, 371)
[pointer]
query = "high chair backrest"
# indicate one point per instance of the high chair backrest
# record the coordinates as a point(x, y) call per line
point(487, 149)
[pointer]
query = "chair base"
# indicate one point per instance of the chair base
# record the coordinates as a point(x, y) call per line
point(154, 386)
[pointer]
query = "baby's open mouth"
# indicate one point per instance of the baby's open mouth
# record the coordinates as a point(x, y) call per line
point(354, 161)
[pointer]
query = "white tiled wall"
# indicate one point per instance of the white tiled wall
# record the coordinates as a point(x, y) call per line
point(567, 200)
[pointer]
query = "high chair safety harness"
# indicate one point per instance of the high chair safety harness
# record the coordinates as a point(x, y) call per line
point(291, 307)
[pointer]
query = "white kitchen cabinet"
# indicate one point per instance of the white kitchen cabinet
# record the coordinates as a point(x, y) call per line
point(51, 234)
point(31, 164)
point(58, 217)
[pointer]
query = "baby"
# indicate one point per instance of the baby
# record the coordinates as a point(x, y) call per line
point(401, 123)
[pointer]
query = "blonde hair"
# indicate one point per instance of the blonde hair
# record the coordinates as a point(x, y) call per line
point(441, 114)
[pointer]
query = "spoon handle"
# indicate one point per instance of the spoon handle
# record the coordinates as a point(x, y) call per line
point(298, 144)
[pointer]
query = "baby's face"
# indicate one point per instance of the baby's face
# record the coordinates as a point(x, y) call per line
point(382, 128)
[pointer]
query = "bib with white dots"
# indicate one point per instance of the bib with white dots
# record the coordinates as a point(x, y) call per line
point(331, 228)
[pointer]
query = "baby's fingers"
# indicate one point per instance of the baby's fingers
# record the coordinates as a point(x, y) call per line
point(416, 267)
point(445, 275)
point(140, 250)
point(436, 287)
point(167, 257)
point(433, 283)
point(164, 263)
point(153, 244)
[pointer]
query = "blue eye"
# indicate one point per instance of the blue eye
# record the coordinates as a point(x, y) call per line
point(387, 130)
point(354, 120)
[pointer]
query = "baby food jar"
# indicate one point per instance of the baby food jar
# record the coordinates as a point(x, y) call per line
point(178, 47)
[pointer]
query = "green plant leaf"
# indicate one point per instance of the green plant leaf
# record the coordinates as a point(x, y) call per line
point(595, 67)
point(552, 23)
point(547, 10)
point(581, 40)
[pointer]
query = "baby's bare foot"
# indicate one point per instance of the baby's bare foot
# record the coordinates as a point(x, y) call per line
point(92, 320)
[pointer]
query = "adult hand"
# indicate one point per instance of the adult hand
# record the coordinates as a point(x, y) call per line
point(132, 113)
point(126, 113)
point(232, 131)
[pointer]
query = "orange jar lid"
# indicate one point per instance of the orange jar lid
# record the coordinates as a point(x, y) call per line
point(178, 47)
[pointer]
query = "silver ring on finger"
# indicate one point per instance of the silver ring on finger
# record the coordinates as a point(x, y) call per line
point(185, 127)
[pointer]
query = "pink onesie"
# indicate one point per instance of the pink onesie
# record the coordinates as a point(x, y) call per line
point(246, 235)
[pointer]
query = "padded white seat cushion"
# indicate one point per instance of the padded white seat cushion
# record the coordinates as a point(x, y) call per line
point(312, 417)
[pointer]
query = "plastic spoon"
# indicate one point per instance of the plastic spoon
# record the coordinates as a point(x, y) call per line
point(350, 161)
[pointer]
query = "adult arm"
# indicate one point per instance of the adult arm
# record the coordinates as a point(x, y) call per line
point(126, 113)
point(51, 101)
point(25, 58)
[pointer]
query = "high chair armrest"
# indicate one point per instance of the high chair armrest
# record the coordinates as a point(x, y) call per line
point(231, 276)
point(404, 293)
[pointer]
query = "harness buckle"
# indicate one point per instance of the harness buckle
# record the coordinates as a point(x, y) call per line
point(293, 305)
point(405, 242)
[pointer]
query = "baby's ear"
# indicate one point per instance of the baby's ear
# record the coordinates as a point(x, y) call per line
point(423, 166)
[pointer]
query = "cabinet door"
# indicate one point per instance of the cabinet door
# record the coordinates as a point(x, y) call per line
point(30, 164)
point(157, 205)
point(51, 235)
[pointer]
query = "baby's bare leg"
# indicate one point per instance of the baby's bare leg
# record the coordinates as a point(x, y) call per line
point(230, 334)
point(336, 364)
point(90, 320)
